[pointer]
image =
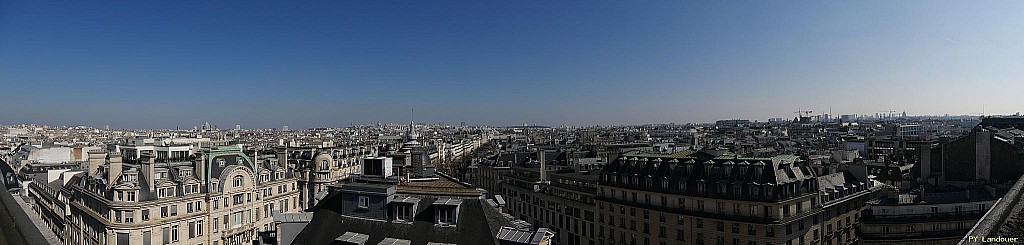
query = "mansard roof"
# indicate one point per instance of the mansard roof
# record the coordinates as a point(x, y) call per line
point(700, 166)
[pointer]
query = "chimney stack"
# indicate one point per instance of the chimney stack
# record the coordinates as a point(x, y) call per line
point(201, 168)
point(115, 167)
point(97, 158)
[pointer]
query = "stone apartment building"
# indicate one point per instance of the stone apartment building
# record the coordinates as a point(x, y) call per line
point(696, 197)
point(318, 167)
point(222, 196)
point(562, 201)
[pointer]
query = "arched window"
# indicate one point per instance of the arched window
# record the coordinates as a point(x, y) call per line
point(237, 181)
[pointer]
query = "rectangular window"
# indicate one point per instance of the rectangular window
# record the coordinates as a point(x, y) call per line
point(214, 225)
point(122, 239)
point(163, 212)
point(174, 233)
point(238, 199)
point(167, 235)
point(174, 210)
point(446, 216)
point(129, 216)
point(145, 214)
point(236, 219)
point(199, 227)
point(364, 202)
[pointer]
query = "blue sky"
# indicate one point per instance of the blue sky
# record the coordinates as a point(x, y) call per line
point(332, 63)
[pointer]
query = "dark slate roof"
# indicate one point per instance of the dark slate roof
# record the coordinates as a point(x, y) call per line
point(698, 166)
point(723, 175)
point(478, 223)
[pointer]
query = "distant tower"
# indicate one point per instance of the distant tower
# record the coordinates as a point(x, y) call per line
point(238, 127)
point(412, 135)
point(285, 128)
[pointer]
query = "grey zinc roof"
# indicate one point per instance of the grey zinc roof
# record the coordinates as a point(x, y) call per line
point(353, 237)
point(406, 200)
point(478, 224)
point(293, 217)
point(393, 241)
point(448, 201)
point(521, 236)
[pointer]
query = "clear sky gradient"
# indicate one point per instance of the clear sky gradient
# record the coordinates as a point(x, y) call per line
point(331, 63)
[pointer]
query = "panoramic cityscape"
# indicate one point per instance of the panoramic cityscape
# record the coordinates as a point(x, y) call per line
point(511, 123)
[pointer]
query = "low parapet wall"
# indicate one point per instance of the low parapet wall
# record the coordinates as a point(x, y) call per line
point(988, 226)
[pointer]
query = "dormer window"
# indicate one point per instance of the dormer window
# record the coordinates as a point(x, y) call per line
point(186, 172)
point(446, 216)
point(221, 162)
point(161, 175)
point(447, 211)
point(403, 212)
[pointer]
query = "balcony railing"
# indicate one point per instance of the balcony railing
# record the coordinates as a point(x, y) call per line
point(912, 235)
point(910, 218)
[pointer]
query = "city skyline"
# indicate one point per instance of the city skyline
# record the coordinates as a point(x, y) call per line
point(266, 65)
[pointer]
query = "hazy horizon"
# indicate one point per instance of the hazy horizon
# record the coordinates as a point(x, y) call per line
point(332, 64)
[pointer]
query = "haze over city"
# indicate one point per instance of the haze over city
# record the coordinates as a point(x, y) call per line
point(268, 64)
